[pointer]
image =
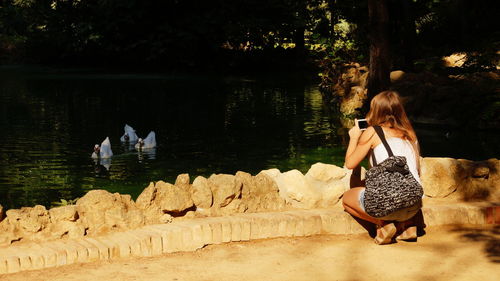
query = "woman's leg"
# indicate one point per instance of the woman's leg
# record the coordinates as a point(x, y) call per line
point(385, 231)
point(351, 205)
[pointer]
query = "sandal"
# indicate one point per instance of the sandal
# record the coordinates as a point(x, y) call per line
point(408, 234)
point(385, 234)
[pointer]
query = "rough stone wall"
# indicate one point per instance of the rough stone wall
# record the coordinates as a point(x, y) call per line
point(100, 212)
point(460, 179)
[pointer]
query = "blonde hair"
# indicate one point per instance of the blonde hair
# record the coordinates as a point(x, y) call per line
point(387, 108)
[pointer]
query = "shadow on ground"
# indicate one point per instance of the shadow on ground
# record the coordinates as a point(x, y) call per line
point(490, 238)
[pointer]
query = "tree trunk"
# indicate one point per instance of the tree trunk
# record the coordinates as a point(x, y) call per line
point(380, 60)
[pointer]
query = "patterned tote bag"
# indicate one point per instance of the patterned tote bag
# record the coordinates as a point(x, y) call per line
point(390, 186)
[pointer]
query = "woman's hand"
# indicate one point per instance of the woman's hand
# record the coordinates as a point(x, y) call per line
point(359, 145)
point(355, 132)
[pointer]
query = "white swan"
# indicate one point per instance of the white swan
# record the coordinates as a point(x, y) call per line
point(103, 151)
point(102, 166)
point(129, 134)
point(148, 142)
point(106, 163)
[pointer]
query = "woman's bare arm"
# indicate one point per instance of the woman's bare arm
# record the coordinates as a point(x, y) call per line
point(360, 143)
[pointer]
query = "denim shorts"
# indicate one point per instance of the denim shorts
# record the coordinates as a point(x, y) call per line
point(362, 200)
point(399, 215)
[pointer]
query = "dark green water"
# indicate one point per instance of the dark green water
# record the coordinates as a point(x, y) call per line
point(50, 121)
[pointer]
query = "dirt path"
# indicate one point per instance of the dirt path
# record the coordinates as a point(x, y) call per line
point(445, 253)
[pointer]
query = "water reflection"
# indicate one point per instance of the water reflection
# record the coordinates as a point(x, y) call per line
point(127, 147)
point(204, 125)
point(101, 167)
point(146, 154)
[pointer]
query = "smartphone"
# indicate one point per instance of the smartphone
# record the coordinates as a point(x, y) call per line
point(362, 124)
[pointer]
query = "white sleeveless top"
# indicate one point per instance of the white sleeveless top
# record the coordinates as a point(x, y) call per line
point(399, 147)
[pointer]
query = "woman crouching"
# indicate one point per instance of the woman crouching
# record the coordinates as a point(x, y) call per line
point(393, 192)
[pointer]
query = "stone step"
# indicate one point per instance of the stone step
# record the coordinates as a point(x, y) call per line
point(194, 234)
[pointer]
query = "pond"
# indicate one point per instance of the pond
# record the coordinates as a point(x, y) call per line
point(50, 121)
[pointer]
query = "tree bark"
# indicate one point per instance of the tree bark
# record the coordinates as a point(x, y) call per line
point(380, 60)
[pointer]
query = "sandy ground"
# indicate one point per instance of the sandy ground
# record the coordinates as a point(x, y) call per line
point(444, 253)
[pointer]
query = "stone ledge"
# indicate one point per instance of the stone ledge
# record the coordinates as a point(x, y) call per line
point(194, 234)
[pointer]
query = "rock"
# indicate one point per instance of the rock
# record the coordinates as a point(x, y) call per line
point(147, 197)
point(353, 100)
point(348, 86)
point(455, 60)
point(166, 218)
point(29, 220)
point(135, 218)
point(163, 198)
point(249, 198)
point(440, 176)
point(468, 180)
point(65, 228)
point(182, 181)
point(247, 183)
point(268, 193)
point(297, 191)
point(124, 215)
point(494, 179)
point(23, 224)
point(201, 193)
point(325, 172)
point(481, 172)
point(146, 202)
point(330, 181)
point(225, 188)
point(7, 235)
point(260, 193)
point(190, 215)
point(100, 211)
point(172, 199)
point(235, 206)
point(227, 195)
point(396, 75)
point(93, 206)
point(36, 220)
point(322, 186)
point(482, 182)
point(153, 215)
point(272, 173)
point(354, 75)
point(6, 238)
point(63, 213)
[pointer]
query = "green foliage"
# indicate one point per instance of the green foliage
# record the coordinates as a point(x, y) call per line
point(174, 32)
point(64, 202)
point(23, 3)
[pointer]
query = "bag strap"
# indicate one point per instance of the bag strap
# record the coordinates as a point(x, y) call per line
point(380, 133)
point(374, 160)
